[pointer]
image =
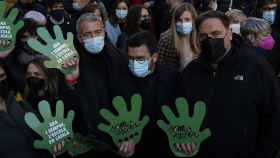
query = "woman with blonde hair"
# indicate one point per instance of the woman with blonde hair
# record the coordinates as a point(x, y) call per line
point(178, 45)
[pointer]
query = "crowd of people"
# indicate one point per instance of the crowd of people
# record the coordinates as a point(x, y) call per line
point(225, 53)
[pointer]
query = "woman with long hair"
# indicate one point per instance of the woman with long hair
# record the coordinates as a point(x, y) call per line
point(41, 83)
point(178, 45)
point(48, 84)
point(117, 21)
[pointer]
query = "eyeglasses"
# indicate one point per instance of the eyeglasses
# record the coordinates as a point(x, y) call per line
point(269, 8)
point(213, 35)
point(140, 60)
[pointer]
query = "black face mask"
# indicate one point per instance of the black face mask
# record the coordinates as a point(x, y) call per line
point(4, 89)
point(213, 49)
point(57, 15)
point(145, 24)
point(35, 85)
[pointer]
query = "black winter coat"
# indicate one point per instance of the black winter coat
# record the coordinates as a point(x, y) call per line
point(242, 98)
point(157, 89)
point(15, 137)
point(101, 78)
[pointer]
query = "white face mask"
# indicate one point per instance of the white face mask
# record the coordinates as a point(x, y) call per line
point(184, 28)
point(121, 13)
point(235, 28)
point(77, 6)
point(94, 45)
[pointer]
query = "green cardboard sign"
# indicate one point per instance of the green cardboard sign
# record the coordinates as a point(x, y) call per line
point(57, 129)
point(57, 50)
point(184, 129)
point(127, 125)
point(53, 130)
point(8, 27)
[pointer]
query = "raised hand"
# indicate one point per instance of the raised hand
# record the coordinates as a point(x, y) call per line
point(127, 125)
point(54, 130)
point(184, 129)
point(8, 28)
point(58, 50)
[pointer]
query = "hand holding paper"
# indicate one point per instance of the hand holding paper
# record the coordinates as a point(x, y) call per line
point(184, 129)
point(8, 28)
point(127, 125)
point(53, 130)
point(58, 50)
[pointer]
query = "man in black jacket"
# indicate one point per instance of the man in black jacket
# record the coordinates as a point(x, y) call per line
point(58, 16)
point(100, 72)
point(157, 85)
point(240, 91)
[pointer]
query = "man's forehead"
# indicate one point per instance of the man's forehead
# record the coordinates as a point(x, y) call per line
point(211, 25)
point(58, 4)
point(92, 25)
point(271, 5)
point(142, 50)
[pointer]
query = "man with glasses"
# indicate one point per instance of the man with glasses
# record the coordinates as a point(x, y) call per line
point(157, 85)
point(269, 9)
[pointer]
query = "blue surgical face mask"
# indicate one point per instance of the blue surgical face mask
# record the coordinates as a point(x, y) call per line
point(139, 68)
point(94, 45)
point(269, 16)
point(121, 13)
point(184, 28)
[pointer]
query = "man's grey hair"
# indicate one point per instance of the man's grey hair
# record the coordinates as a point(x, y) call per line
point(89, 17)
point(236, 16)
point(255, 25)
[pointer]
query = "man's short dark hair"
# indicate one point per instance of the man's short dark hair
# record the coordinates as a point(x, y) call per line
point(51, 3)
point(212, 15)
point(266, 2)
point(143, 38)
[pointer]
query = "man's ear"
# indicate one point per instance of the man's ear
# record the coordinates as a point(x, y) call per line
point(80, 38)
point(155, 57)
point(229, 34)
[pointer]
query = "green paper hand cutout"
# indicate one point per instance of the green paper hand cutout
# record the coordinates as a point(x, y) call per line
point(8, 30)
point(127, 125)
point(53, 130)
point(58, 50)
point(184, 129)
